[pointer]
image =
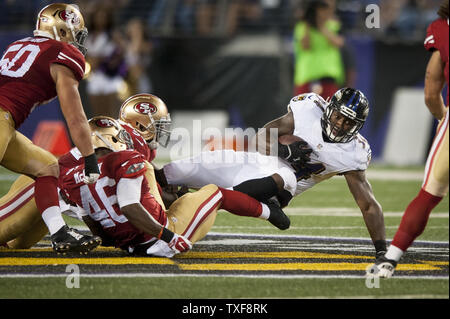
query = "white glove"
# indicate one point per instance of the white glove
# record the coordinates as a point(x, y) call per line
point(161, 249)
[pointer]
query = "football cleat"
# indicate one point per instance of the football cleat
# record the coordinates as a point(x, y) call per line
point(70, 240)
point(277, 217)
point(384, 267)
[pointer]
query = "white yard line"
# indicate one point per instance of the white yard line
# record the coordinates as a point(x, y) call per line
point(316, 227)
point(346, 212)
point(394, 175)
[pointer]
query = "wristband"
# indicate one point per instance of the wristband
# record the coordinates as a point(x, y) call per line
point(165, 235)
point(90, 164)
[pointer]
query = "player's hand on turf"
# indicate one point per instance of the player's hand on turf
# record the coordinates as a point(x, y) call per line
point(180, 244)
point(91, 171)
point(297, 153)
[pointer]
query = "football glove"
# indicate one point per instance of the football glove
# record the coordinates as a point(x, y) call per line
point(91, 171)
point(160, 249)
point(297, 153)
point(180, 244)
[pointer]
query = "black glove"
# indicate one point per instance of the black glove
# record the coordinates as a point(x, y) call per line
point(297, 153)
point(91, 171)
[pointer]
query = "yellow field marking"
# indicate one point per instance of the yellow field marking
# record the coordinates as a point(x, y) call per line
point(22, 261)
point(287, 254)
point(435, 263)
point(298, 266)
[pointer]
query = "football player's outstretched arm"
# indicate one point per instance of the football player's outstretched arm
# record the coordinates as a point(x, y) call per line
point(72, 108)
point(372, 212)
point(283, 125)
point(434, 83)
point(128, 197)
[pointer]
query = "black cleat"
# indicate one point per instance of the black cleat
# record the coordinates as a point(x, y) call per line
point(277, 217)
point(70, 240)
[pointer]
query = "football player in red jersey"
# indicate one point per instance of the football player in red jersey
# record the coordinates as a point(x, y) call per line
point(120, 208)
point(33, 71)
point(18, 206)
point(435, 182)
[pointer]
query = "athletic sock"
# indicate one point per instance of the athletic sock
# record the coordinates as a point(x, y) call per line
point(53, 219)
point(394, 253)
point(415, 219)
point(261, 189)
point(47, 202)
point(240, 204)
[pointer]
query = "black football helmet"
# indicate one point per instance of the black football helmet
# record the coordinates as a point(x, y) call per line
point(353, 105)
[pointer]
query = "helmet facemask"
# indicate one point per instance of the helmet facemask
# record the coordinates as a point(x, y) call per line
point(163, 130)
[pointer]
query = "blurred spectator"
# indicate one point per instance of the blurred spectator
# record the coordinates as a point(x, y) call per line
point(107, 64)
point(406, 19)
point(242, 15)
point(138, 48)
point(319, 66)
point(185, 16)
point(205, 16)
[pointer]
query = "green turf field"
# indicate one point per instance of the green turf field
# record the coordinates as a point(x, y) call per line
point(327, 210)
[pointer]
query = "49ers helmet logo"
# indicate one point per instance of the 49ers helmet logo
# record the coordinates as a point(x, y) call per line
point(104, 123)
point(69, 16)
point(145, 108)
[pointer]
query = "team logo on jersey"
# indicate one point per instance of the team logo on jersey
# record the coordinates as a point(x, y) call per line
point(70, 17)
point(104, 123)
point(145, 108)
point(299, 98)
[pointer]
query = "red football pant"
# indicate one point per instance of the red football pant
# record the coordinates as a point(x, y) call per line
point(240, 204)
point(45, 192)
point(415, 219)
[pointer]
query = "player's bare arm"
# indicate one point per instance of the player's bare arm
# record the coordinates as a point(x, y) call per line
point(72, 108)
point(434, 83)
point(270, 132)
point(141, 219)
point(372, 212)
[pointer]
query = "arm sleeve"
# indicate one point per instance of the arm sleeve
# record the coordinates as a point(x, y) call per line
point(129, 191)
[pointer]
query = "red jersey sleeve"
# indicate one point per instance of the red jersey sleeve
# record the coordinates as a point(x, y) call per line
point(430, 39)
point(72, 58)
